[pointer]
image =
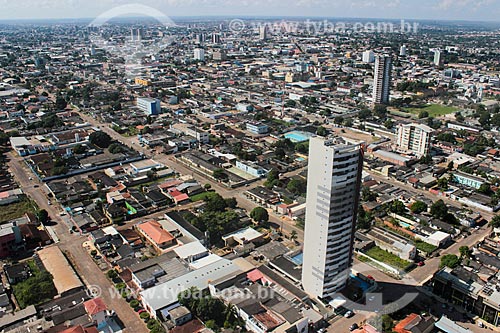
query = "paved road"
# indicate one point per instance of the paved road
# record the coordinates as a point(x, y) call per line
point(287, 225)
point(422, 274)
point(72, 245)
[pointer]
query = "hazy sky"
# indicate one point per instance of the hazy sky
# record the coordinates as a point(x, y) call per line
point(488, 10)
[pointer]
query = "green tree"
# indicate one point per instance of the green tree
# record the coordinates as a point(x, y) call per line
point(231, 203)
point(397, 207)
point(387, 323)
point(380, 111)
point(423, 114)
point(439, 209)
point(389, 124)
point(485, 189)
point(465, 252)
point(259, 214)
point(112, 274)
point(368, 195)
point(418, 207)
point(495, 221)
point(60, 103)
point(443, 183)
point(293, 235)
point(449, 260)
point(42, 215)
point(272, 178)
point(215, 203)
point(364, 220)
point(219, 174)
point(338, 120)
point(79, 149)
point(321, 131)
point(297, 186)
point(100, 139)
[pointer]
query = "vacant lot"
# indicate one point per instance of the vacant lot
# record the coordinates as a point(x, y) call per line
point(16, 210)
point(202, 196)
point(391, 259)
point(434, 110)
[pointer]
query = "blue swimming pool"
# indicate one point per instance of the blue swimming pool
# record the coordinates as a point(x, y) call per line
point(298, 258)
point(298, 136)
point(404, 224)
point(360, 283)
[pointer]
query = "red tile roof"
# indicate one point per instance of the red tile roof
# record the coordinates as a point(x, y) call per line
point(94, 306)
point(400, 327)
point(154, 230)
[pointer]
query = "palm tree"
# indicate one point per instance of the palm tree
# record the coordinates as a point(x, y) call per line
point(293, 235)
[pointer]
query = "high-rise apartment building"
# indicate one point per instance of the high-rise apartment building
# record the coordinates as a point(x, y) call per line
point(333, 186)
point(382, 79)
point(263, 32)
point(438, 59)
point(199, 54)
point(414, 138)
point(368, 56)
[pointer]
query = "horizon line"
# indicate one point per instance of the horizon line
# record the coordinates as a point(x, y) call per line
point(249, 17)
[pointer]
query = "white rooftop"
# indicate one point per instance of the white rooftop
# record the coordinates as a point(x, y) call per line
point(439, 236)
point(449, 326)
point(247, 234)
point(166, 293)
point(205, 261)
point(190, 249)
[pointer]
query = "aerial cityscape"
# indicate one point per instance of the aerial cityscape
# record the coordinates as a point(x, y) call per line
point(189, 170)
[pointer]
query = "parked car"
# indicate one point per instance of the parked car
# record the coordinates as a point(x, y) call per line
point(349, 314)
point(353, 327)
point(420, 263)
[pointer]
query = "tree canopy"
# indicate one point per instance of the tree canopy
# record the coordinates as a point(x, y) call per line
point(100, 139)
point(259, 214)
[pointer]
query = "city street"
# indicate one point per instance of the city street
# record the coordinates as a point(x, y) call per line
point(168, 160)
point(71, 244)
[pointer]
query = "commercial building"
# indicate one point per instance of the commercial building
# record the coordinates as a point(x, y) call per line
point(65, 279)
point(466, 289)
point(415, 138)
point(219, 55)
point(257, 128)
point(333, 186)
point(382, 80)
point(199, 279)
point(149, 106)
point(468, 180)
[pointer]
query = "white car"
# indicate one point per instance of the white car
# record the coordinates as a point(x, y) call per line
point(349, 314)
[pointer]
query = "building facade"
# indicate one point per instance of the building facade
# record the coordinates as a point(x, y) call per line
point(149, 106)
point(333, 186)
point(382, 79)
point(414, 138)
point(257, 128)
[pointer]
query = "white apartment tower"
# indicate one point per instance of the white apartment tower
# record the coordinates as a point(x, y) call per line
point(382, 79)
point(438, 60)
point(414, 138)
point(263, 32)
point(333, 186)
point(368, 56)
point(199, 54)
point(402, 51)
